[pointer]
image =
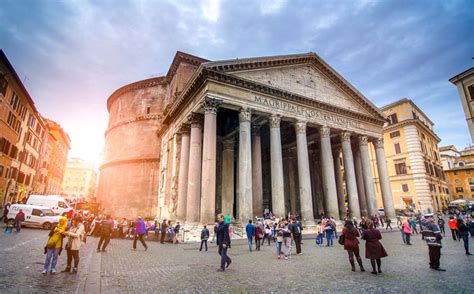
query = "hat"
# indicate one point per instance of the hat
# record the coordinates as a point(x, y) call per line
point(428, 215)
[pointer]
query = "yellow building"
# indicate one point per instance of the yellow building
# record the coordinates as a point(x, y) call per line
point(413, 160)
point(460, 175)
point(79, 180)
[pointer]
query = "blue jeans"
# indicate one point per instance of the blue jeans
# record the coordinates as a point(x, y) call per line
point(51, 254)
point(224, 257)
point(319, 240)
point(249, 241)
point(404, 237)
point(18, 226)
point(278, 248)
point(465, 239)
point(330, 237)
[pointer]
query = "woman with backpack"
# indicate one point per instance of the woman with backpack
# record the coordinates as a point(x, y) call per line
point(76, 235)
point(351, 244)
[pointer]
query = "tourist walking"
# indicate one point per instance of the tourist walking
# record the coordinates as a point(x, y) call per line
point(268, 234)
point(407, 230)
point(140, 230)
point(287, 239)
point(258, 236)
point(223, 242)
point(19, 218)
point(464, 234)
point(176, 229)
point(250, 230)
point(329, 232)
point(441, 223)
point(470, 225)
point(279, 239)
point(374, 250)
point(351, 244)
point(389, 223)
point(296, 233)
point(453, 226)
point(106, 229)
point(432, 236)
point(54, 245)
point(6, 209)
point(164, 227)
point(204, 237)
point(75, 238)
point(319, 234)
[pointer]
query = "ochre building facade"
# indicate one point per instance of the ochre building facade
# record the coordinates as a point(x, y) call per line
point(241, 136)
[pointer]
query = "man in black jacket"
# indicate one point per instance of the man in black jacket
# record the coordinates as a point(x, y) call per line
point(223, 241)
point(106, 228)
point(295, 229)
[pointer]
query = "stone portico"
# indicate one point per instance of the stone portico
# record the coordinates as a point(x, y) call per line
point(284, 133)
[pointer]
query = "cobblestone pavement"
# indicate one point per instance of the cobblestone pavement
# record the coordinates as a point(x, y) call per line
point(182, 268)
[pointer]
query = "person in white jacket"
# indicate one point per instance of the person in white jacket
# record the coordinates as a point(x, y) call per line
point(75, 236)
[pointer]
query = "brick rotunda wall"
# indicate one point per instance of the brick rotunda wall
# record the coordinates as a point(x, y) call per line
point(128, 180)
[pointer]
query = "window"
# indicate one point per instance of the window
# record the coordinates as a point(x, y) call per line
point(1, 170)
point(36, 212)
point(400, 168)
point(455, 172)
point(397, 148)
point(395, 134)
point(470, 181)
point(62, 204)
point(457, 182)
point(3, 84)
point(393, 119)
point(470, 89)
point(148, 110)
point(14, 101)
point(405, 187)
point(414, 114)
point(459, 190)
point(461, 164)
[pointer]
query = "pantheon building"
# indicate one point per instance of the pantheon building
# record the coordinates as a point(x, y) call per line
point(283, 133)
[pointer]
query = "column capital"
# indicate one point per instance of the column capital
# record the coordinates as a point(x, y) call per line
point(210, 105)
point(378, 142)
point(245, 115)
point(228, 144)
point(363, 140)
point(325, 132)
point(195, 120)
point(300, 127)
point(274, 121)
point(184, 129)
point(345, 136)
point(256, 129)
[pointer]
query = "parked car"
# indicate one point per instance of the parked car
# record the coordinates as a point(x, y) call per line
point(54, 202)
point(404, 212)
point(35, 216)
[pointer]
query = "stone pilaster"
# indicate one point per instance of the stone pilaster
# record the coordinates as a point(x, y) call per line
point(183, 173)
point(368, 178)
point(228, 177)
point(349, 171)
point(387, 197)
point(329, 181)
point(245, 167)
point(193, 200)
point(306, 199)
point(278, 197)
point(257, 180)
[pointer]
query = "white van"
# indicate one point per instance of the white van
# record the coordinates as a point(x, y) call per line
point(35, 216)
point(54, 202)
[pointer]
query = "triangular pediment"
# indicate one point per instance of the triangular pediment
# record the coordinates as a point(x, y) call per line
point(305, 80)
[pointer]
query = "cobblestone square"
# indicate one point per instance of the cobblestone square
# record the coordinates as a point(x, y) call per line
point(182, 268)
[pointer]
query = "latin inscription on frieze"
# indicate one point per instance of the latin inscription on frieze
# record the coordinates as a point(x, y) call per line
point(306, 111)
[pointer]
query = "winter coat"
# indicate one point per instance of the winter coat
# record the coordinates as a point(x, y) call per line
point(373, 247)
point(350, 239)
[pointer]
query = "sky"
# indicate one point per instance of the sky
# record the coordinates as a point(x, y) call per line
point(72, 55)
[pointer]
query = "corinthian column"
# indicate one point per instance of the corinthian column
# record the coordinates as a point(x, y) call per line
point(183, 174)
point(329, 182)
point(368, 178)
point(257, 185)
point(306, 199)
point(208, 183)
point(228, 177)
point(245, 167)
point(278, 197)
point(194, 171)
point(384, 179)
point(349, 170)
point(341, 199)
point(360, 181)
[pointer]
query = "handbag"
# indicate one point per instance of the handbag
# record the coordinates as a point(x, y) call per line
point(341, 239)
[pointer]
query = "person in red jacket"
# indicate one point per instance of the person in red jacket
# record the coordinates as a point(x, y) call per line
point(351, 244)
point(453, 225)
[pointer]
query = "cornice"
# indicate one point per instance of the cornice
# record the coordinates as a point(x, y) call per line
point(158, 81)
point(411, 122)
point(133, 120)
point(186, 58)
point(206, 74)
point(128, 161)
